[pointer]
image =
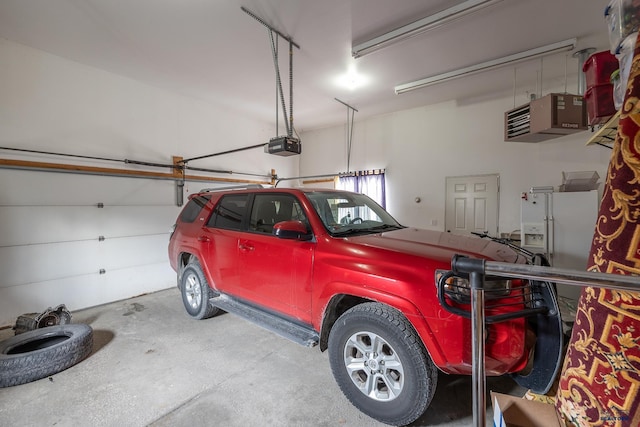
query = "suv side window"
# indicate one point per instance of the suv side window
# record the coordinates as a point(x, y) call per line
point(229, 212)
point(193, 208)
point(269, 209)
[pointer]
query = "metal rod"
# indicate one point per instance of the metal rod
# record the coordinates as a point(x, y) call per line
point(327, 175)
point(346, 105)
point(260, 20)
point(182, 165)
point(157, 165)
point(477, 269)
point(230, 172)
point(349, 135)
point(604, 145)
point(564, 276)
point(477, 351)
point(277, 88)
point(541, 79)
point(235, 150)
point(290, 132)
point(566, 60)
point(77, 156)
point(274, 54)
point(514, 86)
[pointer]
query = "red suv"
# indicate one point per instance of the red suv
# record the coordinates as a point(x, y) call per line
point(334, 269)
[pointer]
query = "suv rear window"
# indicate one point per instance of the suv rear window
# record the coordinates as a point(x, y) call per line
point(229, 212)
point(193, 208)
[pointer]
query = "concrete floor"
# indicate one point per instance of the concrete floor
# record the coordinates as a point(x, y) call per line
point(152, 365)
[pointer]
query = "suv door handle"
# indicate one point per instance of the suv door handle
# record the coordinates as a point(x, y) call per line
point(204, 239)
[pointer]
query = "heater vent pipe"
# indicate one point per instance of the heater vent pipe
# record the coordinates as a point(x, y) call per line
point(582, 56)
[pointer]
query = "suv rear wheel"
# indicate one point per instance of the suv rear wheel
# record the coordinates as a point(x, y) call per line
point(196, 292)
point(381, 365)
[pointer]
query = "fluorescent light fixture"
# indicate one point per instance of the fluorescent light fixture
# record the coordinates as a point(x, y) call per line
point(489, 65)
point(420, 26)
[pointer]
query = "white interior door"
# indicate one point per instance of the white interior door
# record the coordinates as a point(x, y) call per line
point(472, 204)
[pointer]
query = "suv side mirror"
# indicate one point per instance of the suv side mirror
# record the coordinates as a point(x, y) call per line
point(292, 230)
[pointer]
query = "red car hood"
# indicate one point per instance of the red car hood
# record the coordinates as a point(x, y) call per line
point(438, 245)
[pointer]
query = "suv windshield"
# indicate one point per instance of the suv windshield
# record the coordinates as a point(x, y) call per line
point(351, 213)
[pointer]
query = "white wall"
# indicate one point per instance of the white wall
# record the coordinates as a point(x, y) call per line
point(50, 251)
point(420, 147)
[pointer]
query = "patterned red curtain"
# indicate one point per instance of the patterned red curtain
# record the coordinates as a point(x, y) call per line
point(600, 379)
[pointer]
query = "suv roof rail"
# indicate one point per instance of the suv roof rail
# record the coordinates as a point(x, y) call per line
point(232, 187)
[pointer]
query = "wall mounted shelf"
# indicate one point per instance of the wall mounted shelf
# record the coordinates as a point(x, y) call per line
point(606, 135)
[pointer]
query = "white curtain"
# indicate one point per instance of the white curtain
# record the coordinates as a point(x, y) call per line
point(370, 183)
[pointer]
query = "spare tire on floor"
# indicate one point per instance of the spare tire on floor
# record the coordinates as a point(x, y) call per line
point(42, 352)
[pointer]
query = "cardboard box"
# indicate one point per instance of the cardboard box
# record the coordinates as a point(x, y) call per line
point(512, 411)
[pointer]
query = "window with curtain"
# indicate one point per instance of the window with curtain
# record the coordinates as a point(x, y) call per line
point(370, 183)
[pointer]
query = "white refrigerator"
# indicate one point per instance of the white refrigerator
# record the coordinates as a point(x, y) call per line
point(560, 225)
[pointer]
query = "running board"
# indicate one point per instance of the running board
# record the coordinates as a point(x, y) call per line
point(285, 328)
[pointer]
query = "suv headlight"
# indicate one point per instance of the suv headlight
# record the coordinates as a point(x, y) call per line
point(458, 288)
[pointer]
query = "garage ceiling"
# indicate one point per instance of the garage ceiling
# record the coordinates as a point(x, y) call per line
point(212, 50)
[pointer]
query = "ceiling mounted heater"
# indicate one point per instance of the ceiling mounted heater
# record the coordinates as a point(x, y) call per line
point(552, 116)
point(548, 117)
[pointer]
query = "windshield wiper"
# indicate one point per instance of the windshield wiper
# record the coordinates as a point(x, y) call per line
point(345, 231)
point(376, 229)
point(385, 227)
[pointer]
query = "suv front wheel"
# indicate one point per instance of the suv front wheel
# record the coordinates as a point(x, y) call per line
point(380, 364)
point(196, 292)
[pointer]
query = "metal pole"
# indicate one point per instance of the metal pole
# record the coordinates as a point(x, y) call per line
point(476, 270)
point(562, 275)
point(477, 352)
point(346, 105)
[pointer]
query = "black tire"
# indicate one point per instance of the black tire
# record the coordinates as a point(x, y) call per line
point(196, 292)
point(43, 352)
point(395, 382)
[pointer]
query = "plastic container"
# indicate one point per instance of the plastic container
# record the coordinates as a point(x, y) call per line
point(618, 89)
point(624, 54)
point(600, 107)
point(598, 68)
point(622, 19)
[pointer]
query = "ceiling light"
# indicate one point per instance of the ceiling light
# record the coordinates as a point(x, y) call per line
point(486, 66)
point(420, 26)
point(351, 80)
